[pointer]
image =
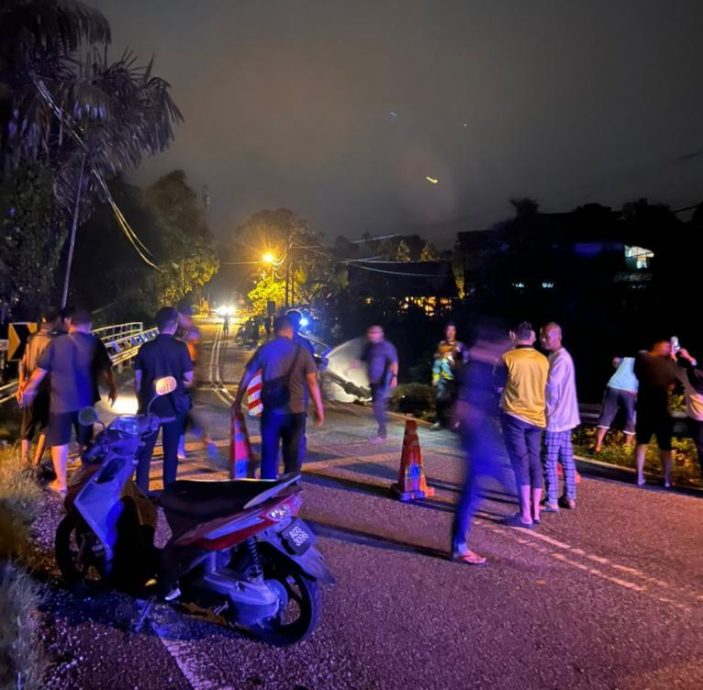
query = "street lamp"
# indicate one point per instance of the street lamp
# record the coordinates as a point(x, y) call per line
point(268, 258)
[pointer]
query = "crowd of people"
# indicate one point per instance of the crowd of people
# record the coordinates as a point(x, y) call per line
point(498, 393)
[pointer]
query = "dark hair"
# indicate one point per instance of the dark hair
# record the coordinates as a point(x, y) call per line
point(184, 307)
point(81, 317)
point(295, 317)
point(450, 324)
point(523, 331)
point(48, 315)
point(282, 323)
point(659, 338)
point(166, 317)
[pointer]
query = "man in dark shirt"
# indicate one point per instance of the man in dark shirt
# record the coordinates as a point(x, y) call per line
point(35, 417)
point(476, 417)
point(381, 359)
point(287, 370)
point(164, 356)
point(656, 372)
point(76, 362)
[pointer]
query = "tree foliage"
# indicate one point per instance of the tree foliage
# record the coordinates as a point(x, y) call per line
point(33, 231)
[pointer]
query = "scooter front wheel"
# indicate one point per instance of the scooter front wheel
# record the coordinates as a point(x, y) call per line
point(301, 605)
point(78, 552)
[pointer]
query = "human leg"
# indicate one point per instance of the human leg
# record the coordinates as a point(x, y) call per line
point(270, 442)
point(566, 454)
point(551, 457)
point(380, 413)
point(171, 435)
point(291, 441)
point(59, 438)
point(533, 439)
point(144, 461)
point(516, 445)
point(695, 427)
point(609, 409)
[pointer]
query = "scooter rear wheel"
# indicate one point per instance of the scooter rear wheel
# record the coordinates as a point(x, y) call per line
point(77, 552)
point(301, 607)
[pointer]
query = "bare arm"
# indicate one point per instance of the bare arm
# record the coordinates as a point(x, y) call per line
point(31, 388)
point(188, 378)
point(314, 388)
point(394, 374)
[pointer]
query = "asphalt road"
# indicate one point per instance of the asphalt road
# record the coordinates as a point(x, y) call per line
point(607, 596)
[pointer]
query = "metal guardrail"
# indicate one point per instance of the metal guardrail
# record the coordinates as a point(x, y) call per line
point(121, 340)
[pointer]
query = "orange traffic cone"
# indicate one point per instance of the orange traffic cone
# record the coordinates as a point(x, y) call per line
point(240, 455)
point(412, 483)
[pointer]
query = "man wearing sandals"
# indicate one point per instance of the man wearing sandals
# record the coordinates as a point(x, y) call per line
point(475, 416)
point(523, 420)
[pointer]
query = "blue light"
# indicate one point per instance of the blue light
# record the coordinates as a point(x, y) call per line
point(304, 321)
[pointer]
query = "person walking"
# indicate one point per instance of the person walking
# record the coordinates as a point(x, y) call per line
point(76, 363)
point(164, 356)
point(690, 375)
point(562, 418)
point(35, 416)
point(523, 420)
point(447, 361)
point(381, 360)
point(475, 416)
point(287, 370)
point(656, 372)
point(191, 335)
point(620, 394)
point(225, 326)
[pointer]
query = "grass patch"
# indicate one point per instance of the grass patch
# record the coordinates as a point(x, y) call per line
point(416, 399)
point(22, 662)
point(686, 470)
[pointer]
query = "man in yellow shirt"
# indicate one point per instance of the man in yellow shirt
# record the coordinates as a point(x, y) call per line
point(523, 420)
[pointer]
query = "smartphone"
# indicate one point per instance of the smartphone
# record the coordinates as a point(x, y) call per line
point(675, 345)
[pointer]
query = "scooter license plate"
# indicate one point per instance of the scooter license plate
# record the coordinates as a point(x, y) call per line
point(298, 537)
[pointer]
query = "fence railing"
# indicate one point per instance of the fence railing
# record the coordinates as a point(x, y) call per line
point(122, 341)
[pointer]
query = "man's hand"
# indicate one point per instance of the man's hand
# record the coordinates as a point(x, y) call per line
point(394, 382)
point(319, 417)
point(112, 395)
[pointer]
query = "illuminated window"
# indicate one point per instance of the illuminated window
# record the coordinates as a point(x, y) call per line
point(519, 285)
point(547, 285)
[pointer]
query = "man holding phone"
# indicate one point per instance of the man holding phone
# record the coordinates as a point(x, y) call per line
point(655, 370)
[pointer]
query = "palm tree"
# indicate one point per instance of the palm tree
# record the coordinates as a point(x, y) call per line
point(84, 117)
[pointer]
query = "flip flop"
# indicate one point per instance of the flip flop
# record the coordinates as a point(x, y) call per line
point(469, 558)
point(516, 521)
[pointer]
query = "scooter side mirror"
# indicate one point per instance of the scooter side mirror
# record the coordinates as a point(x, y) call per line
point(165, 385)
point(88, 416)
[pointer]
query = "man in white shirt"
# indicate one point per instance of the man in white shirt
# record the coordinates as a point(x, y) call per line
point(562, 418)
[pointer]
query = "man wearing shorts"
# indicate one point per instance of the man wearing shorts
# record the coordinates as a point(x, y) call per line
point(35, 417)
point(656, 373)
point(620, 393)
point(75, 362)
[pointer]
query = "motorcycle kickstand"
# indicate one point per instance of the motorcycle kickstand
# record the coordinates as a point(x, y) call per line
point(144, 613)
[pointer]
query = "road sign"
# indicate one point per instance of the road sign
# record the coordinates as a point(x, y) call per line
point(17, 336)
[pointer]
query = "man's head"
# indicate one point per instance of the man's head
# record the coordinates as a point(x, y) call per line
point(185, 313)
point(167, 320)
point(283, 326)
point(660, 346)
point(551, 336)
point(523, 334)
point(80, 320)
point(48, 319)
point(450, 331)
point(374, 334)
point(295, 318)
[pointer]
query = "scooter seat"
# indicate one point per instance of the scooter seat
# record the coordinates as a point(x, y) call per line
point(208, 500)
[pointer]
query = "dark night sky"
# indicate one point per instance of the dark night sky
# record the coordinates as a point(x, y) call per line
point(290, 102)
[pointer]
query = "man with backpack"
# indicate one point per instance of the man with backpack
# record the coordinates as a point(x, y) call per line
point(287, 371)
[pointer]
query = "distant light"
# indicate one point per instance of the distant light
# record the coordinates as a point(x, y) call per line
point(547, 285)
point(304, 321)
point(433, 180)
point(519, 286)
point(268, 258)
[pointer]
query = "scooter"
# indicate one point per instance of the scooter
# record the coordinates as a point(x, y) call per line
point(238, 549)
